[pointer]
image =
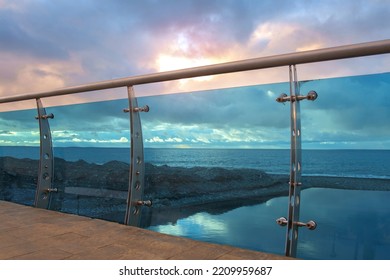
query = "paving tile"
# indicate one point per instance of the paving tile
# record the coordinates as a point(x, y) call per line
point(169, 250)
point(8, 225)
point(47, 254)
point(202, 251)
point(17, 250)
point(69, 242)
point(241, 254)
point(141, 255)
point(7, 239)
point(108, 252)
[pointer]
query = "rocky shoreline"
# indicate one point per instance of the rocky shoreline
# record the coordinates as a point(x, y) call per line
point(190, 189)
point(166, 186)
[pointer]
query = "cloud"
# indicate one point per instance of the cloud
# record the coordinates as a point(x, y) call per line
point(47, 45)
point(7, 133)
point(355, 104)
point(349, 110)
point(98, 141)
point(67, 43)
point(221, 108)
point(155, 139)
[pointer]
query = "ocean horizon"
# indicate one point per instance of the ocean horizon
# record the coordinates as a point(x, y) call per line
point(368, 163)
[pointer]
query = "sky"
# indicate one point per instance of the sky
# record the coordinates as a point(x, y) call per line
point(46, 45)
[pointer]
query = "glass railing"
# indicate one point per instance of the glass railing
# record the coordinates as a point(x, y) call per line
point(210, 154)
point(232, 192)
point(349, 178)
point(216, 164)
point(19, 156)
point(93, 175)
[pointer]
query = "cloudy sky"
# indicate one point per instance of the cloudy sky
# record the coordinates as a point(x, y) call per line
point(46, 45)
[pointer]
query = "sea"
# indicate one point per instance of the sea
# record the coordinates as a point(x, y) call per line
point(338, 163)
point(351, 224)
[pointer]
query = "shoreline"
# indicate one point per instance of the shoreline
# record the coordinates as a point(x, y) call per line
point(177, 181)
point(98, 190)
point(346, 183)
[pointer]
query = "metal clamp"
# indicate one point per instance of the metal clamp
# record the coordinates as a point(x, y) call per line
point(147, 203)
point(295, 184)
point(312, 225)
point(50, 190)
point(45, 117)
point(138, 109)
point(46, 192)
point(312, 95)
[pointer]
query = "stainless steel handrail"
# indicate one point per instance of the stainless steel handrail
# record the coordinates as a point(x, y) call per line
point(326, 54)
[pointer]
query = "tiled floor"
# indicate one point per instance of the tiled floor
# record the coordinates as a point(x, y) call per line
point(28, 233)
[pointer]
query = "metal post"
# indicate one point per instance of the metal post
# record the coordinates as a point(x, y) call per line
point(294, 197)
point(46, 160)
point(137, 166)
point(295, 166)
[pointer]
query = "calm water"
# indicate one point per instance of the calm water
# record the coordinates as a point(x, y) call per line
point(351, 224)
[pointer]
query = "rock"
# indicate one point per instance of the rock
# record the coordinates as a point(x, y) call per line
point(172, 186)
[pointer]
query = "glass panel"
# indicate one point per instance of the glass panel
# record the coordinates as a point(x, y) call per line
point(346, 168)
point(91, 167)
point(213, 161)
point(19, 155)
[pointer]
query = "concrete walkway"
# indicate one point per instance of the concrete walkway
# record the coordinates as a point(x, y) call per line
point(28, 233)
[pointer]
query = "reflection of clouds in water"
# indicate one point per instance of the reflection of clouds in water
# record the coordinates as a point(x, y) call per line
point(268, 203)
point(251, 227)
point(351, 225)
point(198, 225)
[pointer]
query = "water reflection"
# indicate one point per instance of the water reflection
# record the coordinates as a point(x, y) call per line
point(351, 225)
point(245, 227)
point(196, 226)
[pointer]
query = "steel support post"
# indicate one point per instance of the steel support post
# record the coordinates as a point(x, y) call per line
point(44, 190)
point(294, 197)
point(137, 166)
